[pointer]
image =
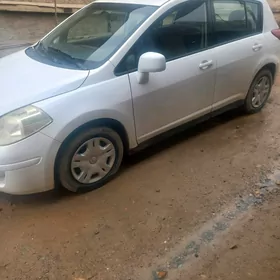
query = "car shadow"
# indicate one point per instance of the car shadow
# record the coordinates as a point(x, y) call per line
point(179, 135)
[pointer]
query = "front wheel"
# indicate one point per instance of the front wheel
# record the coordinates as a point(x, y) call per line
point(90, 159)
point(259, 92)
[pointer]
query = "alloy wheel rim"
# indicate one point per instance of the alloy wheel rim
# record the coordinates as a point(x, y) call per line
point(260, 92)
point(93, 160)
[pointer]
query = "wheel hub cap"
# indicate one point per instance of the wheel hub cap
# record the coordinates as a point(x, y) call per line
point(260, 92)
point(93, 160)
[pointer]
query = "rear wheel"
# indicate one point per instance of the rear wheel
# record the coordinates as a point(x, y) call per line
point(259, 92)
point(90, 159)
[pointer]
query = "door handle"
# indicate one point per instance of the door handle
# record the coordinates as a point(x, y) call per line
point(205, 64)
point(256, 47)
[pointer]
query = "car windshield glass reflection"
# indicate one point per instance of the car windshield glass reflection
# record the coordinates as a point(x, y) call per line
point(94, 34)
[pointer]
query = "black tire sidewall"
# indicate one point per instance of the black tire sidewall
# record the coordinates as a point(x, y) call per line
point(248, 107)
point(71, 146)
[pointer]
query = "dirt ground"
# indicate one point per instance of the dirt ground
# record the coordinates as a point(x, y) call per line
point(196, 206)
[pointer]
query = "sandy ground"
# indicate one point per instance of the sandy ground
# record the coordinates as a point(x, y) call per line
point(161, 214)
point(249, 250)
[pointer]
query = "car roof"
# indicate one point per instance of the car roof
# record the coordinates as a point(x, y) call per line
point(143, 2)
point(139, 2)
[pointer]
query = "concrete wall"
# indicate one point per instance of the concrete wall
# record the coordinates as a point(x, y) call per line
point(275, 4)
point(58, 1)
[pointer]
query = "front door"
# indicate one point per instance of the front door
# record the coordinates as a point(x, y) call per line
point(185, 90)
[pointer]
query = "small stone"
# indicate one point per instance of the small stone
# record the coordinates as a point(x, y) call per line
point(196, 255)
point(96, 232)
point(161, 274)
point(257, 193)
point(275, 236)
point(237, 127)
point(277, 182)
point(157, 190)
point(233, 247)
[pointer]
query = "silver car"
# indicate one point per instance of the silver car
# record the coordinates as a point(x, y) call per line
point(118, 73)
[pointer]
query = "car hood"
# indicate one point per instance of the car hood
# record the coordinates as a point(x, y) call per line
point(24, 81)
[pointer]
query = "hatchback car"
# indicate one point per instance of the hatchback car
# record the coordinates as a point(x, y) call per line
point(118, 73)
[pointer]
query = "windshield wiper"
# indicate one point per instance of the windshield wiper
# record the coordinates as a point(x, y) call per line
point(46, 50)
point(67, 56)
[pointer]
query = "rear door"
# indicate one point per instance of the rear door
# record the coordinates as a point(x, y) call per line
point(239, 45)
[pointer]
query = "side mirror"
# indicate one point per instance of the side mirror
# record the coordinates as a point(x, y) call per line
point(150, 62)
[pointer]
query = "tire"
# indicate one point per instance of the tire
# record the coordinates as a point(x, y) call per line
point(97, 149)
point(250, 104)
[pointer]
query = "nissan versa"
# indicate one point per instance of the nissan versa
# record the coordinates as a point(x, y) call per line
point(118, 73)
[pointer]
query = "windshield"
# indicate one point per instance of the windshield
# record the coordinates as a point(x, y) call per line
point(94, 34)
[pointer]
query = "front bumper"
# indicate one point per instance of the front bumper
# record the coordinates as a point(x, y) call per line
point(28, 166)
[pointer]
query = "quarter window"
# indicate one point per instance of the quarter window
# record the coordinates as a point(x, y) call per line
point(254, 16)
point(234, 20)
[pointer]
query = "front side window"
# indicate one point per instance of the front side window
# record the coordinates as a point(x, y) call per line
point(179, 32)
point(93, 35)
point(234, 20)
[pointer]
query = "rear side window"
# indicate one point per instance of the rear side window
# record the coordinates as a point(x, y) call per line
point(235, 19)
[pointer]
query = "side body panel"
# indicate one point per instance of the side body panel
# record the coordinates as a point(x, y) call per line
point(179, 94)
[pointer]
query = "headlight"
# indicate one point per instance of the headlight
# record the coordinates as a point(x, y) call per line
point(21, 123)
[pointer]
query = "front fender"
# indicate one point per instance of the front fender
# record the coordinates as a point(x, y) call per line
point(87, 117)
point(110, 99)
